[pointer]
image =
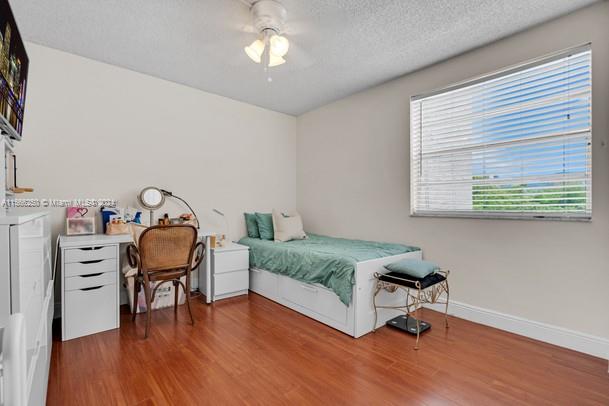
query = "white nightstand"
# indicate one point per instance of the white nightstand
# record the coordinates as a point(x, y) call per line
point(229, 271)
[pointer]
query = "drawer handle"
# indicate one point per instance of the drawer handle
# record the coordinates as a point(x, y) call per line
point(90, 275)
point(92, 288)
point(93, 261)
point(310, 289)
point(90, 248)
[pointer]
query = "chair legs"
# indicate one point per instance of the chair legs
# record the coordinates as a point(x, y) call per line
point(136, 293)
point(147, 293)
point(187, 293)
point(176, 293)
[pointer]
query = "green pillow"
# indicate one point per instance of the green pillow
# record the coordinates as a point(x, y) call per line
point(413, 267)
point(265, 226)
point(252, 225)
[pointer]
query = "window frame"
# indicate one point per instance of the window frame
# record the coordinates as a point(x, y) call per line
point(583, 217)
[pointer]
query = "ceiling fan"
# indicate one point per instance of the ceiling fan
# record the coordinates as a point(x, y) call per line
point(270, 48)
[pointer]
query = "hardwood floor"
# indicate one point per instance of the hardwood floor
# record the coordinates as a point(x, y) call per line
point(253, 351)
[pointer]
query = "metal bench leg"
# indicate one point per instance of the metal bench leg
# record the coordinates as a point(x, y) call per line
point(446, 309)
point(376, 292)
point(417, 310)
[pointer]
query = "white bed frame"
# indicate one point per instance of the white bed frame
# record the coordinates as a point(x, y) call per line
point(322, 304)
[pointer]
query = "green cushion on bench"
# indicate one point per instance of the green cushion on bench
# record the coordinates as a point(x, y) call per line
point(416, 268)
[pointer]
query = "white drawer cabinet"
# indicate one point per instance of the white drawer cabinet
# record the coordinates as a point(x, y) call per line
point(90, 286)
point(88, 268)
point(90, 254)
point(90, 310)
point(229, 271)
point(26, 287)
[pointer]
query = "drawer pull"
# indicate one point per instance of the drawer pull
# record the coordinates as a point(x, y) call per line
point(90, 248)
point(93, 261)
point(310, 289)
point(92, 288)
point(91, 275)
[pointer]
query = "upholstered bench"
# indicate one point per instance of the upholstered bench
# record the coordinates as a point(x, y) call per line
point(419, 291)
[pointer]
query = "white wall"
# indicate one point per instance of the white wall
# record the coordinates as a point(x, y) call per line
point(353, 181)
point(95, 130)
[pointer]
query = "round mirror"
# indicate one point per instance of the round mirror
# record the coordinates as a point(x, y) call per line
point(151, 198)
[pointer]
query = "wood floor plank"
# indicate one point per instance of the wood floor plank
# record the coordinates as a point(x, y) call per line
point(249, 350)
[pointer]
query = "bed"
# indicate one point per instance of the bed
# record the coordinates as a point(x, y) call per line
point(328, 279)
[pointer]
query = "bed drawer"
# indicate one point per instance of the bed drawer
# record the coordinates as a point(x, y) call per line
point(312, 297)
point(264, 283)
point(91, 280)
point(90, 267)
point(90, 254)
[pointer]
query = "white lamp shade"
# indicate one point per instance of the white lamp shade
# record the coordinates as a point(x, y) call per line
point(279, 45)
point(275, 60)
point(255, 50)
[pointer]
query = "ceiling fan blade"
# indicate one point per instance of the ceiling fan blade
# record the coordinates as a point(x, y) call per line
point(300, 58)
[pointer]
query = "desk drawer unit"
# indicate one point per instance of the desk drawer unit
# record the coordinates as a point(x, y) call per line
point(90, 310)
point(90, 290)
point(86, 254)
point(89, 267)
point(91, 280)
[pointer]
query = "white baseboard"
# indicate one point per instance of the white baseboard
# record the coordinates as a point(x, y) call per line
point(562, 337)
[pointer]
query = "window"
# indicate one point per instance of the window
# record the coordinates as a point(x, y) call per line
point(512, 144)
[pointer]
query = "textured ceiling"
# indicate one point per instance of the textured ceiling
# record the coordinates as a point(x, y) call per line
point(340, 46)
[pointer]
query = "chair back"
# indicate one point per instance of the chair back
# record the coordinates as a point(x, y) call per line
point(167, 247)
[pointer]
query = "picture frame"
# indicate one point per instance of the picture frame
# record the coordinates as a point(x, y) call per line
point(80, 226)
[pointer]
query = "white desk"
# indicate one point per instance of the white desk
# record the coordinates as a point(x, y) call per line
point(71, 241)
point(102, 251)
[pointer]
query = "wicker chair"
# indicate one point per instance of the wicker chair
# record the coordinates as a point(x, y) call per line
point(164, 254)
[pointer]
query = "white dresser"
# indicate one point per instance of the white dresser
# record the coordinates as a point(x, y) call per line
point(90, 284)
point(26, 287)
point(229, 267)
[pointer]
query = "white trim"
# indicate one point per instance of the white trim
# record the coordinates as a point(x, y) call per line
point(562, 337)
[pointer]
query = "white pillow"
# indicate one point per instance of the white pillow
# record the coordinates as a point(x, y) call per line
point(287, 227)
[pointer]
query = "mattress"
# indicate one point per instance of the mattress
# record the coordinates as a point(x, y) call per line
point(328, 261)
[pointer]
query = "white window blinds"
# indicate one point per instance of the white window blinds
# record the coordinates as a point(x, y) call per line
point(512, 144)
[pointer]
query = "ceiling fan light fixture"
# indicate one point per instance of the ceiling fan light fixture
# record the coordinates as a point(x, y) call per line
point(279, 45)
point(255, 50)
point(275, 60)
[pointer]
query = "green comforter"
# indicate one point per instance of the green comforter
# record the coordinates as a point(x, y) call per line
point(319, 259)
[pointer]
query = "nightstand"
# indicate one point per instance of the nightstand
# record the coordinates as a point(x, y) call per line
point(229, 271)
